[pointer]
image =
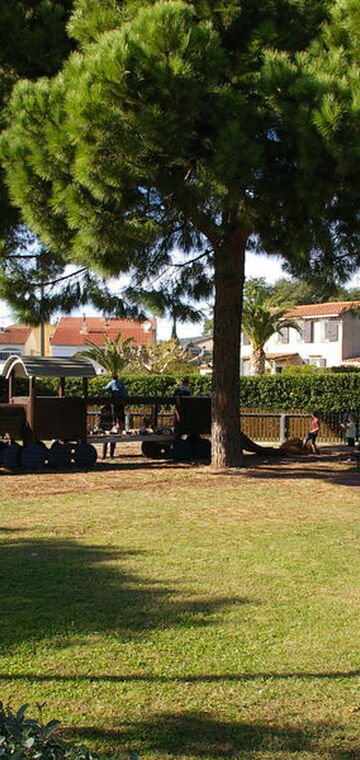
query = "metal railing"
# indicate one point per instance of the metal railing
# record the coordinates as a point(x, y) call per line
point(257, 424)
point(280, 426)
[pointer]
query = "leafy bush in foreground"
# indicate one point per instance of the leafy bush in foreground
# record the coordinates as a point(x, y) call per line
point(23, 738)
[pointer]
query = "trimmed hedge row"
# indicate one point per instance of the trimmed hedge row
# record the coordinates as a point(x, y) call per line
point(136, 385)
point(324, 391)
point(327, 392)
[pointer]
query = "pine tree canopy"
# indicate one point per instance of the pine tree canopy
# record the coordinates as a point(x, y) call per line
point(33, 43)
point(202, 127)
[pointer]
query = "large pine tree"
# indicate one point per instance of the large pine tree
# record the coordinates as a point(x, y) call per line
point(33, 43)
point(199, 127)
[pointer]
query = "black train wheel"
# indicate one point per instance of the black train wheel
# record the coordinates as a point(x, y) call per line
point(155, 449)
point(33, 457)
point(85, 455)
point(60, 455)
point(11, 456)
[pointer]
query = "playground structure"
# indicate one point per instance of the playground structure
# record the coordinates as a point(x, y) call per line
point(34, 419)
point(191, 417)
point(31, 417)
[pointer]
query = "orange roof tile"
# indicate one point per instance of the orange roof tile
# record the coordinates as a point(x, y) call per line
point(329, 309)
point(14, 335)
point(76, 331)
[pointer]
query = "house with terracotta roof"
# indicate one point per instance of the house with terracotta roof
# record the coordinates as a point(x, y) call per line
point(13, 340)
point(71, 334)
point(23, 340)
point(329, 337)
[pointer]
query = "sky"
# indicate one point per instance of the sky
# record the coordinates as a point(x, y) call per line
point(256, 265)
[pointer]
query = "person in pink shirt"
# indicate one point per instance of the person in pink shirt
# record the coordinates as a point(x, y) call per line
point(313, 432)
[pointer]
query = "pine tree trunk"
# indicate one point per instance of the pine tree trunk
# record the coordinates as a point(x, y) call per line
point(229, 281)
point(257, 361)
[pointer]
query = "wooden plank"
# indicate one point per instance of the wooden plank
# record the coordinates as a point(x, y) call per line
point(124, 438)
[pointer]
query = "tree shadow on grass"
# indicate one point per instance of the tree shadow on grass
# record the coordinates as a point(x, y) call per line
point(199, 735)
point(51, 587)
point(254, 466)
point(6, 529)
point(189, 678)
point(349, 478)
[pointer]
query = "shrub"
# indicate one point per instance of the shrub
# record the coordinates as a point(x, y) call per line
point(23, 738)
point(139, 384)
point(323, 390)
point(300, 369)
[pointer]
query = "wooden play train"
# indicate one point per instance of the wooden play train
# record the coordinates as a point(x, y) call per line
point(32, 419)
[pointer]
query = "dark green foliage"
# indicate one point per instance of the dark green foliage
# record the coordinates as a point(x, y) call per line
point(136, 385)
point(316, 291)
point(33, 43)
point(342, 370)
point(324, 390)
point(192, 107)
point(175, 299)
point(328, 391)
point(33, 39)
point(35, 285)
point(27, 739)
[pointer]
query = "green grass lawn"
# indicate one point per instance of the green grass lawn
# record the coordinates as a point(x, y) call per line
point(185, 615)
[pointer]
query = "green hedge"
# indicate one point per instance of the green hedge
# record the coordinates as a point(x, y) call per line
point(326, 391)
point(137, 385)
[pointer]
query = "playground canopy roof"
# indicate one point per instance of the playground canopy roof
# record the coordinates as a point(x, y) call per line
point(48, 366)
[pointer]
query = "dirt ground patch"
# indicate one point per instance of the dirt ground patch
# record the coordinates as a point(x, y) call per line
point(130, 470)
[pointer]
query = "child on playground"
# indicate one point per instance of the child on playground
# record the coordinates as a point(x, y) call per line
point(350, 430)
point(106, 424)
point(313, 432)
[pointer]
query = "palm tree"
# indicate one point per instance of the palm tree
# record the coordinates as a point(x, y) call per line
point(113, 356)
point(263, 315)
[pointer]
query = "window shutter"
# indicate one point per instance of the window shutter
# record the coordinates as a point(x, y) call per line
point(331, 331)
point(308, 331)
point(284, 335)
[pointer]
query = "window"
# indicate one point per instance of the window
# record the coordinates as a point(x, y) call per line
point(331, 331)
point(9, 352)
point(245, 340)
point(193, 349)
point(308, 331)
point(316, 361)
point(284, 335)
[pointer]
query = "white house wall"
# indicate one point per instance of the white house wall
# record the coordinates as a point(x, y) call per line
point(65, 350)
point(12, 348)
point(331, 351)
point(351, 335)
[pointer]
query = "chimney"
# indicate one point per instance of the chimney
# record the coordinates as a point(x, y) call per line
point(84, 330)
